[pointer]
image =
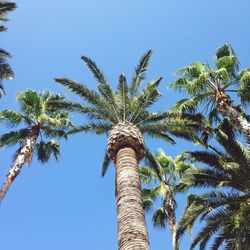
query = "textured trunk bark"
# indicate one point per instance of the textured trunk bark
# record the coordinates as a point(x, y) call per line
point(174, 241)
point(23, 156)
point(170, 208)
point(238, 119)
point(132, 231)
point(226, 109)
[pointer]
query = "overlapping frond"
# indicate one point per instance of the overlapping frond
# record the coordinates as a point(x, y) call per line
point(160, 218)
point(81, 90)
point(5, 69)
point(148, 198)
point(244, 88)
point(30, 103)
point(44, 150)
point(221, 210)
point(5, 8)
point(225, 58)
point(14, 137)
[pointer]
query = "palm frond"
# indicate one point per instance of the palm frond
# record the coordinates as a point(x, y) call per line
point(148, 97)
point(147, 175)
point(94, 127)
point(14, 137)
point(160, 218)
point(10, 118)
point(244, 88)
point(99, 76)
point(122, 95)
point(206, 157)
point(81, 90)
point(105, 164)
point(50, 132)
point(139, 75)
point(217, 242)
point(225, 58)
point(5, 70)
point(30, 103)
point(44, 150)
point(154, 164)
point(5, 8)
point(148, 199)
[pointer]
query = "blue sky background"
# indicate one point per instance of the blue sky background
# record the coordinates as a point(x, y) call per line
point(67, 205)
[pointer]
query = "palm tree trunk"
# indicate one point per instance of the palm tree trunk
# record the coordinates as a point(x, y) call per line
point(239, 120)
point(174, 234)
point(226, 109)
point(23, 155)
point(132, 231)
point(170, 208)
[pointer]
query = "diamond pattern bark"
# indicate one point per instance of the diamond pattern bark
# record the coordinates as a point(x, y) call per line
point(125, 135)
point(132, 230)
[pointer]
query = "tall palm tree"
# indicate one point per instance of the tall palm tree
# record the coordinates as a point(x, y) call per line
point(42, 124)
point(225, 210)
point(5, 70)
point(211, 87)
point(124, 115)
point(163, 185)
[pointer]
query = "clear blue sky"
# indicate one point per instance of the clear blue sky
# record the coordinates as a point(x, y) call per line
point(67, 205)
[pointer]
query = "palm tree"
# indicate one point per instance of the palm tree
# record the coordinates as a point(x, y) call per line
point(5, 70)
point(210, 87)
point(124, 116)
point(41, 122)
point(164, 186)
point(225, 212)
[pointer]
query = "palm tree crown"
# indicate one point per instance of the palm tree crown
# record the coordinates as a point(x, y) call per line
point(126, 105)
point(42, 123)
point(164, 185)
point(36, 112)
point(210, 86)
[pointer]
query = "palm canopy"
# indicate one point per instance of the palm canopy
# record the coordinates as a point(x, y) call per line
point(162, 185)
point(205, 84)
point(225, 212)
point(127, 104)
point(36, 112)
point(164, 181)
point(5, 8)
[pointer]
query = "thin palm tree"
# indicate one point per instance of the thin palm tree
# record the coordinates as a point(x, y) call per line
point(225, 211)
point(123, 115)
point(42, 123)
point(211, 87)
point(163, 185)
point(5, 70)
